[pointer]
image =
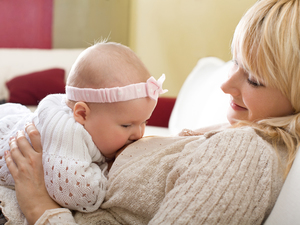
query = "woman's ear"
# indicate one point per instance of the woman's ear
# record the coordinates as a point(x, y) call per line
point(80, 112)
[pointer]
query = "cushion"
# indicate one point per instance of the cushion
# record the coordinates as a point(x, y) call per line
point(17, 61)
point(162, 112)
point(30, 89)
point(287, 206)
point(201, 102)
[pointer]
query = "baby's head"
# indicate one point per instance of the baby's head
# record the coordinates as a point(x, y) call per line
point(114, 103)
point(106, 65)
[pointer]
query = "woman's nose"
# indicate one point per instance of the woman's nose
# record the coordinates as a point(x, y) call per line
point(232, 84)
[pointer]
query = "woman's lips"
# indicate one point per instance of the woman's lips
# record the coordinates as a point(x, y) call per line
point(237, 107)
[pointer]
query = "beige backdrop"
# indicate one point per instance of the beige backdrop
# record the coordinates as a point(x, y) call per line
point(80, 23)
point(170, 36)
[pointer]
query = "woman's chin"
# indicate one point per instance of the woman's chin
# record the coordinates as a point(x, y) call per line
point(233, 118)
point(231, 121)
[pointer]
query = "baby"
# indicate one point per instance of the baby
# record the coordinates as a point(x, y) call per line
point(109, 97)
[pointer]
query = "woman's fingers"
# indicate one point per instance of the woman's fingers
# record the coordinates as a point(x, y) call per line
point(20, 145)
point(34, 137)
point(10, 163)
point(26, 167)
point(21, 149)
point(15, 154)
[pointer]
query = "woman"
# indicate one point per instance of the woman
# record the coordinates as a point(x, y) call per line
point(231, 176)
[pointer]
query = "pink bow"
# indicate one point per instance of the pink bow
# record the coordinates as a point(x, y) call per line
point(154, 87)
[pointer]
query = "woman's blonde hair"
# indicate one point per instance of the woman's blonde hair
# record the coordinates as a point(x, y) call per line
point(267, 40)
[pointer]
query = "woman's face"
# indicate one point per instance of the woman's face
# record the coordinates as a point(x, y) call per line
point(251, 100)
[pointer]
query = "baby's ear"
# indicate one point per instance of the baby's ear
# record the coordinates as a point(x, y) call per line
point(80, 112)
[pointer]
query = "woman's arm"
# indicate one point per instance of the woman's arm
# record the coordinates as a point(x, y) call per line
point(25, 164)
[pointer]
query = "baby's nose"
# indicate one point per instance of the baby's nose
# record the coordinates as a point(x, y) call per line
point(137, 134)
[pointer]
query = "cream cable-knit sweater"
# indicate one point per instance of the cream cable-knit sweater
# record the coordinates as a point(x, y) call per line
point(229, 177)
point(73, 166)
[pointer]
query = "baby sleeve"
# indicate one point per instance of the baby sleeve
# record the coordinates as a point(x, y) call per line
point(74, 169)
point(74, 184)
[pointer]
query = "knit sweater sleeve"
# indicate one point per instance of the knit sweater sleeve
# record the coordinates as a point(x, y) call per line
point(56, 216)
point(74, 168)
point(232, 178)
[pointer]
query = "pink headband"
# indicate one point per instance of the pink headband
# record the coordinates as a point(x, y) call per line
point(151, 88)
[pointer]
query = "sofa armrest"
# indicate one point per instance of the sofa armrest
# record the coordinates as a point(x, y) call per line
point(161, 114)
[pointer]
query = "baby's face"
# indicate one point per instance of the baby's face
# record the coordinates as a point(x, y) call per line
point(113, 125)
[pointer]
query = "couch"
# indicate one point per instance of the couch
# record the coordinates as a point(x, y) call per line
point(27, 75)
point(199, 103)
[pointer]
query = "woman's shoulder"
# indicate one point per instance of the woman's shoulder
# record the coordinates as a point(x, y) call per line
point(231, 169)
point(241, 148)
point(245, 132)
point(242, 138)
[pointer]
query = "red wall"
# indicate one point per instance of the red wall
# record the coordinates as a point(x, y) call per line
point(26, 23)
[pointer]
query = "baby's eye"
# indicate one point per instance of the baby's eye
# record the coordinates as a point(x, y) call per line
point(125, 125)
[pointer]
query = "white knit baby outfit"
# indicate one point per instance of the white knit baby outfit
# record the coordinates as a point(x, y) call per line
point(13, 117)
point(74, 168)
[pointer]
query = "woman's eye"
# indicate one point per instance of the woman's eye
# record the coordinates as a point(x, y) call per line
point(125, 125)
point(235, 62)
point(253, 83)
point(235, 66)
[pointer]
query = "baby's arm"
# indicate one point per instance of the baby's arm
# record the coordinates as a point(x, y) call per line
point(72, 177)
point(74, 184)
point(25, 164)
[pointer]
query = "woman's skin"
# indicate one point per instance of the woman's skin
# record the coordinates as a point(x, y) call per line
point(251, 100)
point(28, 174)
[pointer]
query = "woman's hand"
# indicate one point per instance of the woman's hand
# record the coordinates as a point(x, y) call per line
point(203, 130)
point(25, 165)
point(187, 132)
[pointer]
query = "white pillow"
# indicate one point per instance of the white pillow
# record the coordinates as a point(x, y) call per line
point(201, 102)
point(287, 207)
